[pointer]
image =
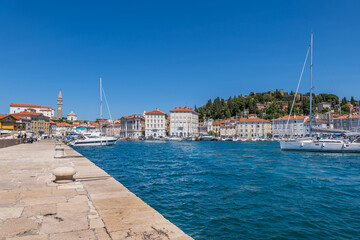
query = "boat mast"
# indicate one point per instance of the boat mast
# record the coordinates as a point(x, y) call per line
point(311, 67)
point(101, 115)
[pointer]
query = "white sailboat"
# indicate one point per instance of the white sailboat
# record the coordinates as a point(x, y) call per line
point(317, 145)
point(96, 140)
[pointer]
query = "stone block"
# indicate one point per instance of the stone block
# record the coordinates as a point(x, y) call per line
point(85, 234)
point(13, 212)
point(17, 227)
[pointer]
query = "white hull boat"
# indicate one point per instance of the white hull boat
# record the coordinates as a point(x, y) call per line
point(207, 138)
point(94, 141)
point(191, 139)
point(321, 146)
point(173, 138)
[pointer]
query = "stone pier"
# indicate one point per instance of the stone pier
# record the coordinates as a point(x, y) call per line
point(95, 206)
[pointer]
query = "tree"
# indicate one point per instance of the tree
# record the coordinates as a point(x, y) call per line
point(344, 101)
point(345, 109)
point(353, 102)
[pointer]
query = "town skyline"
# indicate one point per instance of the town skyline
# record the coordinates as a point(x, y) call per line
point(172, 54)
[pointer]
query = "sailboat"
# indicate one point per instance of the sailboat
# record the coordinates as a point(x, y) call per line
point(100, 140)
point(317, 145)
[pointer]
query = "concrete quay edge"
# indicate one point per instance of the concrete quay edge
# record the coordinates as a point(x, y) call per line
point(95, 206)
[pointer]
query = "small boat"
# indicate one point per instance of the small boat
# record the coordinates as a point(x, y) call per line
point(191, 139)
point(173, 138)
point(206, 138)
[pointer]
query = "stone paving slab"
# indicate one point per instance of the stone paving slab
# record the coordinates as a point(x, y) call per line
point(95, 206)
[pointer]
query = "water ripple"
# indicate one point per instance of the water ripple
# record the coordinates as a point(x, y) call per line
point(234, 190)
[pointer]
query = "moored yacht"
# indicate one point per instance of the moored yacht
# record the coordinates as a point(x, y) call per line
point(321, 145)
point(317, 145)
point(173, 138)
point(93, 140)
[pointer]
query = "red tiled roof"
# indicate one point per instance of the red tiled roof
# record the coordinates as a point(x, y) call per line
point(71, 114)
point(155, 112)
point(291, 118)
point(347, 117)
point(28, 113)
point(320, 121)
point(253, 120)
point(132, 116)
point(63, 124)
point(182, 109)
point(14, 116)
point(3, 115)
point(24, 105)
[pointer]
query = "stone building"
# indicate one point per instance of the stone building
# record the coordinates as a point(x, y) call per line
point(296, 126)
point(249, 128)
point(156, 123)
point(132, 126)
point(184, 122)
point(45, 110)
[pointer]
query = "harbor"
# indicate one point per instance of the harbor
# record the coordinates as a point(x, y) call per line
point(179, 120)
point(240, 190)
point(94, 206)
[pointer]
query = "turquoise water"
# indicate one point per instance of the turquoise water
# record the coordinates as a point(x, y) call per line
point(240, 190)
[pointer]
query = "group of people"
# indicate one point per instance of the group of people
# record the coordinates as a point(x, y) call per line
point(27, 139)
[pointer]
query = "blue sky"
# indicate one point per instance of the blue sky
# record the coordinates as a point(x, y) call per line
point(171, 53)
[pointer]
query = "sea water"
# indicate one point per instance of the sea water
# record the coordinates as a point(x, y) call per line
point(240, 190)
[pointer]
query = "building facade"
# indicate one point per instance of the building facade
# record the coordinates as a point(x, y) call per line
point(296, 126)
point(227, 130)
point(249, 128)
point(40, 124)
point(317, 124)
point(348, 122)
point(71, 117)
point(113, 129)
point(184, 122)
point(10, 123)
point(156, 123)
point(45, 110)
point(132, 126)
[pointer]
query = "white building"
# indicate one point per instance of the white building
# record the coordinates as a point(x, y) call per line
point(296, 126)
point(64, 129)
point(348, 122)
point(45, 110)
point(249, 128)
point(184, 122)
point(156, 123)
point(316, 124)
point(71, 117)
point(132, 126)
point(206, 126)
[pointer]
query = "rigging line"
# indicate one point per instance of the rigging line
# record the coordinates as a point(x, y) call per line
point(297, 89)
point(107, 105)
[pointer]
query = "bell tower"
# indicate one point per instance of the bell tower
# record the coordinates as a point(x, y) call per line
point(59, 106)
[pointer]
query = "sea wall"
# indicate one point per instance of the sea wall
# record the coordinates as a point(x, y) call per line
point(10, 142)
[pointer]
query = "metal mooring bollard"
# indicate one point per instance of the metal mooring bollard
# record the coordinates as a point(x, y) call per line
point(59, 152)
point(64, 174)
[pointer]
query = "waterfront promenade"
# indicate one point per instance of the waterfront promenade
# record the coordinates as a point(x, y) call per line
point(95, 206)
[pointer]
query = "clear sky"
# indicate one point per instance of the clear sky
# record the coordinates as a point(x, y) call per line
point(171, 53)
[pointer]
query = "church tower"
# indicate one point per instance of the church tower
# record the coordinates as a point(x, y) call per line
point(59, 104)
